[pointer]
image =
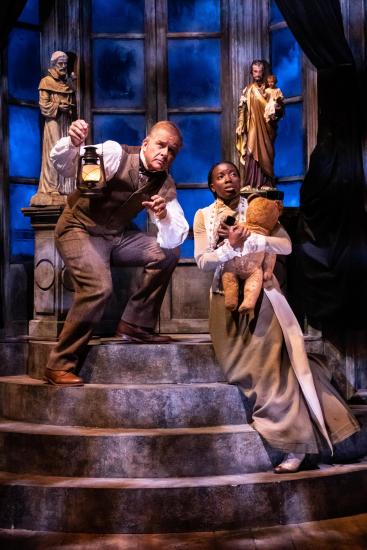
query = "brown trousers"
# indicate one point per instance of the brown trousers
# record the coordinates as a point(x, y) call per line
point(88, 259)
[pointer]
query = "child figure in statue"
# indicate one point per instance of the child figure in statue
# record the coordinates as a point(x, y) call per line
point(274, 97)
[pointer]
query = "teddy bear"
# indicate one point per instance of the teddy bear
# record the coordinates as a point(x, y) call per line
point(261, 217)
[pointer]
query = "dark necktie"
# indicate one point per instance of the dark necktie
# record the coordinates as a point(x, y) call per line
point(156, 179)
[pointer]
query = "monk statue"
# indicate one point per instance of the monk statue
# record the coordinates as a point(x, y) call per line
point(57, 102)
point(256, 130)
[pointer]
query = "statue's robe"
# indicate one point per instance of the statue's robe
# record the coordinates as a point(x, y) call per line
point(52, 92)
point(255, 143)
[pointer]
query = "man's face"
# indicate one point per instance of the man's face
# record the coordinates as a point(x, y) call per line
point(161, 148)
point(257, 72)
point(225, 181)
point(61, 66)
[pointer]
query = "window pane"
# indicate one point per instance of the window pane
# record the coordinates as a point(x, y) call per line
point(140, 220)
point(193, 15)
point(118, 16)
point(193, 199)
point(21, 231)
point(187, 248)
point(129, 129)
point(202, 146)
point(275, 14)
point(289, 143)
point(24, 142)
point(286, 62)
point(194, 73)
point(24, 70)
point(118, 73)
point(291, 192)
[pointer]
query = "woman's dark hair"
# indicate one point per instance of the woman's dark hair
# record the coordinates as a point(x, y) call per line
point(210, 173)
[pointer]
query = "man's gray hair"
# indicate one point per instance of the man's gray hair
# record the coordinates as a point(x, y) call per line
point(56, 55)
point(168, 124)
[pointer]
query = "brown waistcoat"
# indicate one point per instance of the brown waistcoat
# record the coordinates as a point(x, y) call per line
point(111, 213)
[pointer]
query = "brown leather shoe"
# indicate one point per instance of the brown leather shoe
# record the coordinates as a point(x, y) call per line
point(63, 378)
point(130, 334)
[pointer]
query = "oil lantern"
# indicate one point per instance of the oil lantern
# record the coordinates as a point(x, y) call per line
point(91, 177)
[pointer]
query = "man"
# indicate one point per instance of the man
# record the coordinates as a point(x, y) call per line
point(254, 135)
point(57, 105)
point(92, 231)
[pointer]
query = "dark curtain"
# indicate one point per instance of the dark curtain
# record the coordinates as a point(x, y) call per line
point(10, 10)
point(331, 247)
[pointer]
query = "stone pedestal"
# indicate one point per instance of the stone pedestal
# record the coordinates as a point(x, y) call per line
point(52, 286)
point(48, 199)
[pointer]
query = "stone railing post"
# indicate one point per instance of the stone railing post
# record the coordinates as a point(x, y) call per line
point(52, 286)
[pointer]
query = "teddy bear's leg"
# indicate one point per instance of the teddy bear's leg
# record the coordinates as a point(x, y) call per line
point(252, 289)
point(230, 287)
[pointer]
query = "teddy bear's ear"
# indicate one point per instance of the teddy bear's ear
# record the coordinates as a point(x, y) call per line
point(252, 197)
point(280, 206)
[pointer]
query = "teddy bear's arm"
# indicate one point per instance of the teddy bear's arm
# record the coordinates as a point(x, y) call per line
point(279, 242)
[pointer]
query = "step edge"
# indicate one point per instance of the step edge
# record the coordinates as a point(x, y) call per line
point(258, 478)
point(24, 380)
point(30, 428)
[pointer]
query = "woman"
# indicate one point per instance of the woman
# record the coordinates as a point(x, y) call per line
point(292, 400)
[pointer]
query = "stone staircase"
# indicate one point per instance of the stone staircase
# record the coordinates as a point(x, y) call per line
point(157, 441)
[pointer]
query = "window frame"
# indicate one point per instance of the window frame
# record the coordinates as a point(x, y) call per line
point(156, 37)
point(7, 179)
point(308, 100)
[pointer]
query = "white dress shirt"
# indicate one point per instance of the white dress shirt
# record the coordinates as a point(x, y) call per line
point(172, 230)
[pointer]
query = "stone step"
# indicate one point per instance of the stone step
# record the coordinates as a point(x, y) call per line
point(110, 362)
point(121, 406)
point(13, 356)
point(120, 505)
point(347, 533)
point(93, 452)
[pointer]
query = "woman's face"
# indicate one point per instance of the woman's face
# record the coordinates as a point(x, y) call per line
point(225, 181)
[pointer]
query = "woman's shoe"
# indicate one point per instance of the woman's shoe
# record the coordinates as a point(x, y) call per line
point(290, 464)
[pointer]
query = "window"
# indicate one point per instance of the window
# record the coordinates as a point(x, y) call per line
point(24, 158)
point(161, 60)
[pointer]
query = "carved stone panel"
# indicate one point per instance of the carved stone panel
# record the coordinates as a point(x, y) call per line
point(52, 297)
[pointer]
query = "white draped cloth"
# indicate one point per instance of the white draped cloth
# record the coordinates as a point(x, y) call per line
point(278, 407)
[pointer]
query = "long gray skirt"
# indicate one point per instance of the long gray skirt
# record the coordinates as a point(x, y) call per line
point(253, 356)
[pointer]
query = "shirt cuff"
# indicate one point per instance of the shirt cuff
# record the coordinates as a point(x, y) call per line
point(255, 243)
point(226, 252)
point(164, 221)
